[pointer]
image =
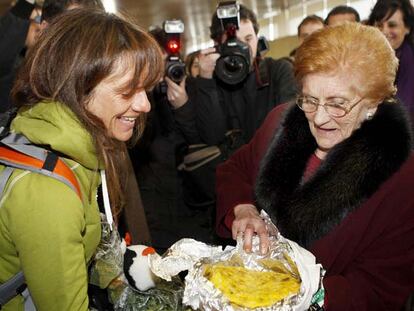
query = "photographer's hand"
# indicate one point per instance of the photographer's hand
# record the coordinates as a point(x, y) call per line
point(176, 93)
point(207, 62)
point(248, 222)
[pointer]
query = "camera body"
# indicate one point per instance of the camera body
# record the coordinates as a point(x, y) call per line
point(174, 66)
point(233, 65)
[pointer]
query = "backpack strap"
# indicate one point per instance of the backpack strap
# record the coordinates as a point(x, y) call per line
point(4, 177)
point(51, 166)
point(13, 287)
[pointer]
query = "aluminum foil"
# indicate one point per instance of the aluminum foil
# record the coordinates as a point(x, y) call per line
point(200, 293)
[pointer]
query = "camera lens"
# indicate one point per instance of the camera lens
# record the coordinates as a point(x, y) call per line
point(232, 69)
point(176, 71)
point(233, 65)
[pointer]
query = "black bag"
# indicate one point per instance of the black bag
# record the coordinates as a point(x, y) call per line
point(199, 169)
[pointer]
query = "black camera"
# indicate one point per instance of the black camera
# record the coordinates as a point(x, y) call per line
point(174, 66)
point(233, 65)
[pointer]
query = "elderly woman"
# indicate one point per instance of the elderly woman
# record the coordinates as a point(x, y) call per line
point(395, 19)
point(82, 94)
point(337, 175)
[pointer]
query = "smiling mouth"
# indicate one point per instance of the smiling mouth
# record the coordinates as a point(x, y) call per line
point(129, 119)
point(325, 130)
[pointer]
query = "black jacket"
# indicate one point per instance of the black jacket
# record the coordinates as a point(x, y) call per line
point(14, 26)
point(221, 107)
point(155, 159)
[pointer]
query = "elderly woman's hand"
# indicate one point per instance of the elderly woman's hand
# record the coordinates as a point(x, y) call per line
point(248, 222)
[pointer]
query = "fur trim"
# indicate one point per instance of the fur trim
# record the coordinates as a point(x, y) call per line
point(351, 172)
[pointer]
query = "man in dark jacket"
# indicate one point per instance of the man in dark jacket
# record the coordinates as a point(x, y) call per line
point(222, 107)
point(239, 108)
point(19, 28)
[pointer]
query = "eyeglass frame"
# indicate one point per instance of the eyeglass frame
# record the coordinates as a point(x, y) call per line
point(343, 108)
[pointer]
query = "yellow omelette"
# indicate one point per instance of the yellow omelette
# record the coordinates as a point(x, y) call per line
point(253, 289)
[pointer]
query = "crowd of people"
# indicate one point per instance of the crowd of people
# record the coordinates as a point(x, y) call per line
point(320, 140)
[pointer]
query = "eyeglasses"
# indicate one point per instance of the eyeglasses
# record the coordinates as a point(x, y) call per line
point(335, 107)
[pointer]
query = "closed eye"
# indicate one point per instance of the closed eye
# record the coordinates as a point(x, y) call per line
point(337, 101)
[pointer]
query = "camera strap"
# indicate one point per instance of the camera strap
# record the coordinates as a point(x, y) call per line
point(262, 71)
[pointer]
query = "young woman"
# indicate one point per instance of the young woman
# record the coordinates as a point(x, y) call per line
point(81, 94)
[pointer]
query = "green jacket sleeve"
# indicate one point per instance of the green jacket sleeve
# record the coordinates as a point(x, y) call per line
point(47, 225)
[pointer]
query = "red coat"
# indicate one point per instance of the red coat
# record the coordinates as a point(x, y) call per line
point(367, 247)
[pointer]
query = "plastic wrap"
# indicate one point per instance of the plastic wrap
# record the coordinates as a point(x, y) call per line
point(166, 296)
point(107, 272)
point(108, 261)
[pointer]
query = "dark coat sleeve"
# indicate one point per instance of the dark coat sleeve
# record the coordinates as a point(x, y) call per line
point(211, 118)
point(13, 30)
point(185, 116)
point(284, 81)
point(235, 178)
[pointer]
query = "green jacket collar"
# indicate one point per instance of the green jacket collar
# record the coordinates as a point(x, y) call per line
point(54, 124)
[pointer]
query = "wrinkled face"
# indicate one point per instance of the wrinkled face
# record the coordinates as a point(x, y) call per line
point(116, 109)
point(307, 29)
point(327, 130)
point(394, 29)
point(339, 19)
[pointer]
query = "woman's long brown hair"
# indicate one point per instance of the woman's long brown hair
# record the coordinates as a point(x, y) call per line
point(73, 55)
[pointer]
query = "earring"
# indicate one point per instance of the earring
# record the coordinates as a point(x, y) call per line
point(369, 115)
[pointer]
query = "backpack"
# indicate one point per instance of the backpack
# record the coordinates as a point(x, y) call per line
point(16, 151)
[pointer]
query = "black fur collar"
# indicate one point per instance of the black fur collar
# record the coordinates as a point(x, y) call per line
point(351, 172)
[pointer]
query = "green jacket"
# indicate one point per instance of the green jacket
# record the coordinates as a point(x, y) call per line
point(45, 229)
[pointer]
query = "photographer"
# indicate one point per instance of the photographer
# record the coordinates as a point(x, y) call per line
point(237, 109)
point(170, 124)
point(222, 107)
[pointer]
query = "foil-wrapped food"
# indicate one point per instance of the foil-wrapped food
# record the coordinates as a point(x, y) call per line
point(248, 288)
point(231, 279)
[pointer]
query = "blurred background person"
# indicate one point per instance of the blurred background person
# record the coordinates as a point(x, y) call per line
point(53, 8)
point(19, 29)
point(395, 19)
point(192, 66)
point(98, 68)
point(335, 172)
point(341, 14)
point(307, 26)
point(170, 128)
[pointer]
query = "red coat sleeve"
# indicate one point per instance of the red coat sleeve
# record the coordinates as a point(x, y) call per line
point(235, 178)
point(369, 257)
